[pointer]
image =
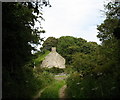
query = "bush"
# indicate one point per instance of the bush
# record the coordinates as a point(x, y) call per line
point(92, 86)
point(54, 70)
point(24, 83)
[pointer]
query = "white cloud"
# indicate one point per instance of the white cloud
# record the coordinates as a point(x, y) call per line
point(88, 34)
point(77, 18)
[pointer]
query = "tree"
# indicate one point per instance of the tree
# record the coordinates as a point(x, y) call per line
point(108, 34)
point(68, 46)
point(49, 43)
point(19, 36)
point(19, 33)
point(109, 28)
point(97, 66)
point(65, 47)
point(110, 49)
point(83, 62)
point(89, 47)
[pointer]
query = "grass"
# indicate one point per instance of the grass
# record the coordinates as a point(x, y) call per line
point(60, 76)
point(53, 90)
point(41, 58)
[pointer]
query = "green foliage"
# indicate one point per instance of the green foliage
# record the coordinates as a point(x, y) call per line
point(97, 73)
point(89, 47)
point(111, 23)
point(92, 86)
point(19, 33)
point(106, 29)
point(97, 69)
point(24, 83)
point(46, 77)
point(69, 69)
point(49, 43)
point(83, 62)
point(94, 69)
point(40, 57)
point(64, 44)
point(19, 36)
point(53, 70)
point(53, 90)
point(68, 46)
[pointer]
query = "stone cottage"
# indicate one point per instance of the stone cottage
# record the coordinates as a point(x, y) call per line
point(53, 59)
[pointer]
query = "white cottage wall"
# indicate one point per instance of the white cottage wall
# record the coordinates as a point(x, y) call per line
point(53, 59)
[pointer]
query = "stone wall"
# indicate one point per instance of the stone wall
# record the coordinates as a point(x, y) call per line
point(53, 59)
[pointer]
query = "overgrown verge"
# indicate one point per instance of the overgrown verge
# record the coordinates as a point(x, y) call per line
point(40, 57)
point(92, 86)
point(53, 90)
point(53, 70)
point(24, 83)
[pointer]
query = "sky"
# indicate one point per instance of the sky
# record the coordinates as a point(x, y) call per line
point(78, 18)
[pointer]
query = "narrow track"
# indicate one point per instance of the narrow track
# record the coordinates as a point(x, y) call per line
point(62, 92)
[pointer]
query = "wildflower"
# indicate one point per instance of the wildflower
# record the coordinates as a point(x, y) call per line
point(99, 74)
point(73, 96)
point(113, 88)
point(72, 79)
point(77, 83)
point(94, 88)
point(81, 75)
point(91, 74)
point(26, 81)
point(82, 88)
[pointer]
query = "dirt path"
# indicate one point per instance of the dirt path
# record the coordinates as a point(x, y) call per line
point(39, 94)
point(62, 92)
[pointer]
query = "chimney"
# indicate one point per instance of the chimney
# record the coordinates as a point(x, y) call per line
point(53, 49)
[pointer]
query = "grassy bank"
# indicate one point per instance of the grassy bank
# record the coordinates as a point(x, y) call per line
point(40, 58)
point(53, 90)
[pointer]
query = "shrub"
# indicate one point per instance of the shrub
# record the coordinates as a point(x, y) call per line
point(24, 83)
point(92, 86)
point(53, 70)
